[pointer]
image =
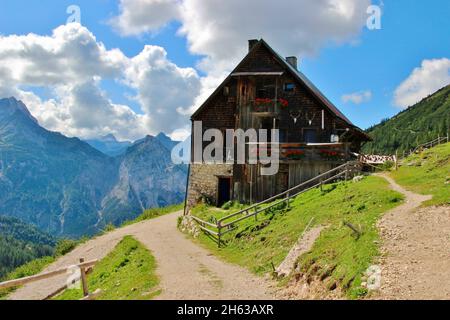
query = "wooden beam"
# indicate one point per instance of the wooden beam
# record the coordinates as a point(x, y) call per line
point(25, 280)
point(353, 228)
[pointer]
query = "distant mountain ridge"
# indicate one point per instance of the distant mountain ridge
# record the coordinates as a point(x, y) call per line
point(418, 124)
point(67, 187)
point(109, 145)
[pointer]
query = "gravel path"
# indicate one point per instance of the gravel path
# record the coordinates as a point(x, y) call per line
point(416, 250)
point(186, 270)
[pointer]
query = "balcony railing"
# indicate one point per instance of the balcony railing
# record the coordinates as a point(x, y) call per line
point(305, 151)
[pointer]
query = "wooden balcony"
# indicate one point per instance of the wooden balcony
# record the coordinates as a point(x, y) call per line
point(268, 106)
point(295, 152)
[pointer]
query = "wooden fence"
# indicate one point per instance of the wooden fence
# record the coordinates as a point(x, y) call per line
point(85, 268)
point(427, 145)
point(228, 223)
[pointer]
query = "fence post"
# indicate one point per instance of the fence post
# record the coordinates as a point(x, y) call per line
point(84, 279)
point(288, 200)
point(219, 235)
point(396, 160)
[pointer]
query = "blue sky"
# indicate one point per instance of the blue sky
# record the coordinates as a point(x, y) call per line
point(377, 62)
point(412, 31)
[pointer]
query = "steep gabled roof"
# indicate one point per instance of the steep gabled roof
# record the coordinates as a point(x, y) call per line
point(313, 89)
point(294, 72)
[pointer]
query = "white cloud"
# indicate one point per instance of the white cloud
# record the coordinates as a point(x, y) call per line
point(431, 76)
point(165, 91)
point(141, 16)
point(357, 97)
point(85, 111)
point(181, 134)
point(219, 29)
point(71, 64)
point(70, 54)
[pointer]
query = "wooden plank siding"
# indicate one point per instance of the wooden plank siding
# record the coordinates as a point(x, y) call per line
point(236, 104)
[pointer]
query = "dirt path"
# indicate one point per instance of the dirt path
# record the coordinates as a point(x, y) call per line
point(187, 271)
point(416, 250)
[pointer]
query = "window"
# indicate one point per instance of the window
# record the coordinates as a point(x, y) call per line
point(226, 91)
point(265, 88)
point(262, 94)
point(289, 87)
point(310, 135)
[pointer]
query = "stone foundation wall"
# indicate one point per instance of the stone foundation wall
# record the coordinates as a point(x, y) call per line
point(203, 181)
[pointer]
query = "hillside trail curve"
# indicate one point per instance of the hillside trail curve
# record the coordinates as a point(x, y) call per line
point(186, 270)
point(415, 261)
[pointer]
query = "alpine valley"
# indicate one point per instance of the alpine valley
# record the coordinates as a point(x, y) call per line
point(69, 187)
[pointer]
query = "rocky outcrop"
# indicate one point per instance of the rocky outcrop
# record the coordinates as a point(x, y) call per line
point(147, 178)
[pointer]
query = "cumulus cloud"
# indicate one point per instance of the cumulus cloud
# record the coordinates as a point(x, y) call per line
point(141, 16)
point(431, 76)
point(70, 54)
point(71, 63)
point(219, 29)
point(357, 97)
point(84, 111)
point(165, 91)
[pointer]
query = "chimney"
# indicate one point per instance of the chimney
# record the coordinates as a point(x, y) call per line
point(251, 44)
point(293, 61)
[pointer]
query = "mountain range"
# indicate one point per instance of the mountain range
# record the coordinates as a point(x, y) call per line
point(420, 123)
point(69, 187)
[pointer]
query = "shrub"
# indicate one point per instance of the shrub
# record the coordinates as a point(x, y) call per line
point(109, 227)
point(64, 246)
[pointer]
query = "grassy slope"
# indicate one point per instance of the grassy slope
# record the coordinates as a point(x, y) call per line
point(418, 124)
point(258, 245)
point(127, 273)
point(64, 246)
point(428, 173)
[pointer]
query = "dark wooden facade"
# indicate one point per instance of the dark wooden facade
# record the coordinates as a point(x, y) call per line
point(267, 91)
